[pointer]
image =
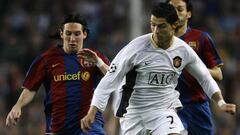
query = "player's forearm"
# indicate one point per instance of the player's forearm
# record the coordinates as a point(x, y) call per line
point(102, 66)
point(93, 109)
point(25, 98)
point(102, 94)
point(218, 98)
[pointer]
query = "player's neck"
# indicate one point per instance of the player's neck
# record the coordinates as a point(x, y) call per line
point(181, 30)
point(164, 44)
point(167, 44)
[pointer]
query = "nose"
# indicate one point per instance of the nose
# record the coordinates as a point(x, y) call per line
point(156, 29)
point(72, 38)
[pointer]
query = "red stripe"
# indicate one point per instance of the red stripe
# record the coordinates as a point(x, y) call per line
point(58, 95)
point(87, 91)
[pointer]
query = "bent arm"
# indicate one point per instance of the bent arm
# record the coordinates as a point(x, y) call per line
point(92, 57)
point(217, 97)
point(102, 66)
point(201, 73)
point(216, 73)
point(209, 85)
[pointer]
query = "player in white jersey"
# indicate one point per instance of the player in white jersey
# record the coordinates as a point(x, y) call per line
point(151, 65)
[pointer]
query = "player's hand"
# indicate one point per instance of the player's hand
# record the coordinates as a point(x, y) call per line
point(229, 108)
point(13, 116)
point(88, 55)
point(88, 120)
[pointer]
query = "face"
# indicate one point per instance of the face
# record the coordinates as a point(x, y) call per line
point(183, 14)
point(162, 30)
point(73, 36)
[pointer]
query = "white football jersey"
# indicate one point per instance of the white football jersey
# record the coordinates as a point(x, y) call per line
point(152, 74)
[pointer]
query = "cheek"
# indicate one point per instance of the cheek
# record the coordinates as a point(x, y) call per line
point(80, 39)
point(66, 39)
point(152, 29)
point(164, 31)
point(182, 16)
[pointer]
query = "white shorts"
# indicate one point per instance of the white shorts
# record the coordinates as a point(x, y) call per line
point(161, 122)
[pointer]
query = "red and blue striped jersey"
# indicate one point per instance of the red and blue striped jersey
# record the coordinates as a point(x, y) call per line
point(69, 85)
point(190, 90)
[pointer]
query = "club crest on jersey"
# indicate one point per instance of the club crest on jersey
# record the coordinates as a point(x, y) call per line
point(177, 61)
point(193, 44)
point(112, 68)
point(85, 76)
point(86, 63)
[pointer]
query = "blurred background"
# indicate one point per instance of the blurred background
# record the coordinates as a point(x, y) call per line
point(26, 24)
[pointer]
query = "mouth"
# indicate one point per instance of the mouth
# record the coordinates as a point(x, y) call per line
point(72, 45)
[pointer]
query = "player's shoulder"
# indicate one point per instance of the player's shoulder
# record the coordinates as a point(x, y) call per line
point(199, 32)
point(139, 42)
point(194, 30)
point(179, 42)
point(144, 37)
point(52, 50)
point(181, 45)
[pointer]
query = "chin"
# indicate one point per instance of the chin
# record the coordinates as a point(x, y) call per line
point(73, 51)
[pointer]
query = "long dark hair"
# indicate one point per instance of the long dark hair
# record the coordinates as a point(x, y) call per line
point(71, 18)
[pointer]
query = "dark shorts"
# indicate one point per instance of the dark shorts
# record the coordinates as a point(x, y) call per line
point(197, 119)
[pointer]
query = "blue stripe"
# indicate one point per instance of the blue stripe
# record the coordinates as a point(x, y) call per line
point(73, 90)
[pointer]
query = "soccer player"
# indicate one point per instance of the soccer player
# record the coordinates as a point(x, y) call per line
point(196, 114)
point(69, 81)
point(151, 65)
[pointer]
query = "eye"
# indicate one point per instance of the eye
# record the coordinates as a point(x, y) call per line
point(68, 33)
point(162, 26)
point(153, 25)
point(78, 33)
point(180, 9)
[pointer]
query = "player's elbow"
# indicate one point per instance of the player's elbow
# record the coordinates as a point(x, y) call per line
point(216, 74)
point(218, 77)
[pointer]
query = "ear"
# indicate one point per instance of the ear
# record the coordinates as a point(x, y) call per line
point(61, 33)
point(189, 14)
point(85, 34)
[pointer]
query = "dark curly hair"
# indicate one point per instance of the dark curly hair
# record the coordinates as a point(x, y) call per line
point(165, 10)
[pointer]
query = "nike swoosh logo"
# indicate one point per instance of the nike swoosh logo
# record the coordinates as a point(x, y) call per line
point(54, 65)
point(147, 63)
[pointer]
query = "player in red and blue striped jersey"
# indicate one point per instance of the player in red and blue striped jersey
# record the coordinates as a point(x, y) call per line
point(203, 45)
point(196, 114)
point(69, 74)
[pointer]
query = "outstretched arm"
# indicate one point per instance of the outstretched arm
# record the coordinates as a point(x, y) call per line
point(24, 99)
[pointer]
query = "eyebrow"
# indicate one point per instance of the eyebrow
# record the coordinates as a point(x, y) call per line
point(74, 31)
point(161, 24)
